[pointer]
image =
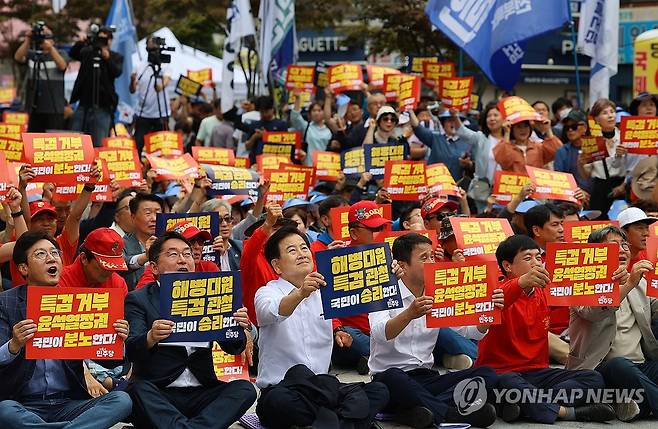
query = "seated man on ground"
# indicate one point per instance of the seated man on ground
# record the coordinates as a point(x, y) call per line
point(46, 393)
point(518, 348)
point(617, 341)
point(401, 349)
point(295, 344)
point(174, 385)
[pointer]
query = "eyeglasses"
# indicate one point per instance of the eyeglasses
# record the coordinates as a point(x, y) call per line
point(174, 254)
point(226, 219)
point(572, 127)
point(42, 254)
point(442, 215)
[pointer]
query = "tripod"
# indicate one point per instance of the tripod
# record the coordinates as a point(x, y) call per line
point(36, 55)
point(156, 70)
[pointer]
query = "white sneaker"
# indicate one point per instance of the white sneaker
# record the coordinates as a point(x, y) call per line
point(457, 362)
point(626, 411)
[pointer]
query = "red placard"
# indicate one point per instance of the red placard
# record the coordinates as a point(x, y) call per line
point(282, 137)
point(376, 75)
point(594, 128)
point(269, 161)
point(287, 184)
point(327, 165)
point(20, 118)
point(409, 92)
point(392, 86)
point(479, 237)
point(61, 158)
point(242, 162)
point(301, 77)
point(12, 131)
point(102, 192)
point(174, 169)
point(440, 181)
point(6, 180)
point(203, 76)
point(417, 64)
point(593, 148)
point(516, 109)
point(119, 130)
point(552, 185)
point(120, 142)
point(652, 276)
point(581, 274)
point(74, 323)
point(213, 155)
point(577, 231)
point(7, 95)
point(507, 184)
point(405, 180)
point(164, 143)
point(228, 367)
point(389, 237)
point(456, 92)
point(639, 134)
point(432, 72)
point(339, 220)
point(296, 167)
point(123, 165)
point(462, 293)
point(345, 77)
point(12, 148)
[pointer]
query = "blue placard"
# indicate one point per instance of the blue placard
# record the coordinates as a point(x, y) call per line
point(232, 180)
point(201, 305)
point(205, 221)
point(359, 280)
point(376, 155)
point(352, 162)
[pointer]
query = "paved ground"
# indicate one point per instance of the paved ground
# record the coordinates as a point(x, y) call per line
point(354, 377)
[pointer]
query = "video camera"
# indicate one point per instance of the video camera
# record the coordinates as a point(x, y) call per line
point(38, 33)
point(156, 52)
point(93, 37)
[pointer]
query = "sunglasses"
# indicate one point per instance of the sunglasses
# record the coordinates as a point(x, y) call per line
point(572, 127)
point(389, 118)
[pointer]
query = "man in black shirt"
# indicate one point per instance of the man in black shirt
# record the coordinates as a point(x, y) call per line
point(44, 97)
point(267, 122)
point(94, 86)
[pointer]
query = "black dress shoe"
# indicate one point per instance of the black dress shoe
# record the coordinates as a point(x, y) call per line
point(595, 413)
point(482, 418)
point(416, 417)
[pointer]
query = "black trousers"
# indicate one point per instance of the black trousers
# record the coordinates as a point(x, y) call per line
point(551, 378)
point(144, 126)
point(428, 388)
point(621, 373)
point(41, 122)
point(280, 407)
point(190, 407)
point(599, 198)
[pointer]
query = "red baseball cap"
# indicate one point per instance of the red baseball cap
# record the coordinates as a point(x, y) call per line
point(37, 207)
point(107, 246)
point(433, 205)
point(189, 231)
point(367, 214)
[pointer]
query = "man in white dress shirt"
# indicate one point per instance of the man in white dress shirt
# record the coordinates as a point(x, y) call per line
point(401, 350)
point(295, 343)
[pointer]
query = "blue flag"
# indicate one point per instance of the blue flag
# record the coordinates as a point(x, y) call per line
point(125, 43)
point(494, 32)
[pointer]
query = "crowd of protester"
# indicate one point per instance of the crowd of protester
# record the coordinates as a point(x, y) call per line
point(287, 342)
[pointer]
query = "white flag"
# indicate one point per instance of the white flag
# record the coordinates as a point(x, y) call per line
point(598, 35)
point(239, 23)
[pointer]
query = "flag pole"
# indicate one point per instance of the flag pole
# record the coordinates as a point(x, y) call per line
point(574, 40)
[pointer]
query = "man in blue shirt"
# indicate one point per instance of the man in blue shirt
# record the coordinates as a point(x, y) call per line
point(46, 393)
point(446, 147)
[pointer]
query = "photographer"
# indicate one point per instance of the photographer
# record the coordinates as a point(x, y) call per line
point(44, 96)
point(94, 87)
point(150, 80)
